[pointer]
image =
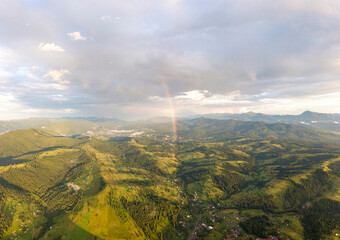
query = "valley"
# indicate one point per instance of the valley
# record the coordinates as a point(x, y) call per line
point(169, 120)
point(220, 180)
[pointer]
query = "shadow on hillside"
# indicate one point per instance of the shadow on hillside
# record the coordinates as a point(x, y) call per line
point(135, 182)
point(66, 230)
point(10, 160)
point(6, 184)
point(130, 171)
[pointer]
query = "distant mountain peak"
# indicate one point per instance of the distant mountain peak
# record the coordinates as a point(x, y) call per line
point(310, 113)
point(307, 112)
point(251, 113)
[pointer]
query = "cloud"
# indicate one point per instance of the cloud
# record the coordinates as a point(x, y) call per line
point(35, 67)
point(31, 75)
point(106, 18)
point(109, 19)
point(192, 95)
point(211, 56)
point(204, 102)
point(58, 75)
point(70, 110)
point(50, 47)
point(204, 98)
point(76, 36)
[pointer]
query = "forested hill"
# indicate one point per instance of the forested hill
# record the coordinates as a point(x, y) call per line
point(198, 129)
point(15, 145)
point(214, 129)
point(233, 182)
point(317, 120)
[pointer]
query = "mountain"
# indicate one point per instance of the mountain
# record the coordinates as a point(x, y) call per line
point(215, 129)
point(324, 121)
point(63, 126)
point(92, 126)
point(142, 188)
point(221, 178)
point(20, 145)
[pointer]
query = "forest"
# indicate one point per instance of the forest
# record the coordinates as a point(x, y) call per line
point(147, 188)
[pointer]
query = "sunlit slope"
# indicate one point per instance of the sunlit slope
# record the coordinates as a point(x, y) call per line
point(61, 126)
point(17, 143)
point(141, 182)
point(248, 177)
point(150, 188)
point(139, 199)
point(32, 193)
point(121, 191)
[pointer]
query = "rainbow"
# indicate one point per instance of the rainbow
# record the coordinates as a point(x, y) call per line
point(173, 112)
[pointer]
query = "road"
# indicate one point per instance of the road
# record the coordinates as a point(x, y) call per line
point(193, 234)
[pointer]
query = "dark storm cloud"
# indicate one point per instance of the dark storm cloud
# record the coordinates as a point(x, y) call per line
point(95, 55)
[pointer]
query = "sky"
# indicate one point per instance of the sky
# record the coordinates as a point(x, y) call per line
point(137, 59)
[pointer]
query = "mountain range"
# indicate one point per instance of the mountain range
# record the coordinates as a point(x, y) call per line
point(325, 121)
point(108, 126)
point(95, 178)
point(234, 178)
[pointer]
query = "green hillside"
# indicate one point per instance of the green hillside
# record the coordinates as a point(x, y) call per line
point(22, 145)
point(228, 180)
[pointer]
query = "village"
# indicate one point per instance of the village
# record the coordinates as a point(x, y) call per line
point(209, 219)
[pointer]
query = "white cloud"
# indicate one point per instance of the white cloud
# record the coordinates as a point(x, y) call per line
point(59, 98)
point(9, 105)
point(47, 86)
point(106, 18)
point(193, 95)
point(57, 87)
point(5, 75)
point(50, 47)
point(35, 67)
point(39, 111)
point(204, 97)
point(6, 98)
point(31, 75)
point(285, 48)
point(70, 110)
point(203, 102)
point(76, 36)
point(109, 19)
point(58, 75)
